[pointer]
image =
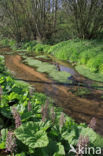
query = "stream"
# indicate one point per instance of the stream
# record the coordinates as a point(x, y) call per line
point(79, 108)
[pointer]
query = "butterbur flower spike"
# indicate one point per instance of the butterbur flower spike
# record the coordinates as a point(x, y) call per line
point(82, 143)
point(45, 110)
point(10, 142)
point(92, 123)
point(1, 91)
point(62, 120)
point(43, 113)
point(31, 91)
point(52, 114)
point(16, 117)
point(29, 106)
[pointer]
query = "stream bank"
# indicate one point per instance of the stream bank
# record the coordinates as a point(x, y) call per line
point(81, 109)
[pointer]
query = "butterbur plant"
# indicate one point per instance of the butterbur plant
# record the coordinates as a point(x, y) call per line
point(62, 120)
point(10, 142)
point(92, 123)
point(82, 143)
point(16, 117)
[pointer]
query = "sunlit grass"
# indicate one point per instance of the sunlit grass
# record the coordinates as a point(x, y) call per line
point(87, 73)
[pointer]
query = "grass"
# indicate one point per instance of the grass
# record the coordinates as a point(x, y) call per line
point(83, 70)
point(88, 56)
point(50, 69)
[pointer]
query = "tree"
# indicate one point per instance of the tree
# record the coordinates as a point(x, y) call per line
point(29, 19)
point(86, 15)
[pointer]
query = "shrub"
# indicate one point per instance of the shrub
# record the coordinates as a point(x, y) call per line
point(12, 44)
point(4, 42)
point(29, 46)
point(101, 68)
point(86, 55)
point(41, 48)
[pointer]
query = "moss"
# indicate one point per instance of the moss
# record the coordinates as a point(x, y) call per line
point(46, 68)
point(32, 62)
point(42, 56)
point(60, 76)
point(50, 69)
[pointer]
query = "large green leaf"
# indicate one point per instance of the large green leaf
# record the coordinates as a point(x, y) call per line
point(31, 135)
point(60, 151)
point(71, 136)
point(3, 138)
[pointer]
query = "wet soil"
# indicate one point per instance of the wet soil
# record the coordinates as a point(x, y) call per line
point(81, 109)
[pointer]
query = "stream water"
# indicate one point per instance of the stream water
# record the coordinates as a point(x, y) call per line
point(82, 109)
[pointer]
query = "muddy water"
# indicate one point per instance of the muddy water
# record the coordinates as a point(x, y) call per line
point(81, 109)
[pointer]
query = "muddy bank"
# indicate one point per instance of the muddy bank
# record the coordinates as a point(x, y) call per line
point(82, 110)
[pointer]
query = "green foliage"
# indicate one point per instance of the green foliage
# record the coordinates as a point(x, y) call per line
point(60, 76)
point(29, 46)
point(95, 62)
point(101, 68)
point(87, 73)
point(33, 46)
point(82, 52)
point(13, 44)
point(2, 67)
point(41, 48)
point(86, 55)
point(3, 138)
point(32, 135)
point(4, 42)
point(10, 43)
point(67, 50)
point(38, 137)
